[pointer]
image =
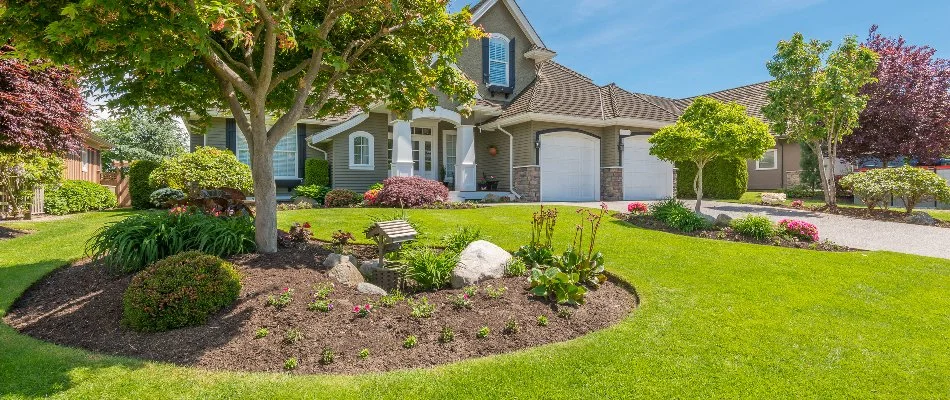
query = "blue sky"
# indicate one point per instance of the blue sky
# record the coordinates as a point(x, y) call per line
point(679, 48)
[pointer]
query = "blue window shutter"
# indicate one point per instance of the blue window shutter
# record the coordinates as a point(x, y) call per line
point(511, 65)
point(485, 73)
point(301, 149)
point(230, 135)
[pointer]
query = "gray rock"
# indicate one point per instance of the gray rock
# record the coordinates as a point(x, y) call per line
point(723, 220)
point(371, 289)
point(921, 218)
point(337, 259)
point(479, 261)
point(368, 268)
point(343, 270)
point(709, 218)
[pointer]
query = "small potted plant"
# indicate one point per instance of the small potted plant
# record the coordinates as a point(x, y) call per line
point(488, 183)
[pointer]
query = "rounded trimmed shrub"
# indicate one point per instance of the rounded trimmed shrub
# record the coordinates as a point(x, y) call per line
point(411, 192)
point(179, 291)
point(206, 168)
point(722, 179)
point(166, 197)
point(78, 196)
point(316, 172)
point(139, 187)
point(338, 198)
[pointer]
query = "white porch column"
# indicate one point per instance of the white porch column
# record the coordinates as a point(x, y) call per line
point(402, 149)
point(465, 176)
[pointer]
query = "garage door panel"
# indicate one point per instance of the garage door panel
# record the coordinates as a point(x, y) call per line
point(645, 177)
point(570, 167)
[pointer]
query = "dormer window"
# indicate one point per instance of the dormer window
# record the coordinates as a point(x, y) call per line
point(498, 60)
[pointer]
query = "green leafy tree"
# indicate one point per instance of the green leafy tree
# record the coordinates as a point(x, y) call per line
point(710, 129)
point(141, 135)
point(269, 63)
point(810, 175)
point(21, 172)
point(816, 96)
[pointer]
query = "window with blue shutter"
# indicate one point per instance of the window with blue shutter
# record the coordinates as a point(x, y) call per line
point(498, 60)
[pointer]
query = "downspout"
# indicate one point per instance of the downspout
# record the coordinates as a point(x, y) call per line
point(511, 162)
point(325, 155)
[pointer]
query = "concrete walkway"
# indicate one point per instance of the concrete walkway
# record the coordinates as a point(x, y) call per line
point(851, 232)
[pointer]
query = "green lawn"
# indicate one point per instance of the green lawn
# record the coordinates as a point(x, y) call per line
point(756, 197)
point(718, 319)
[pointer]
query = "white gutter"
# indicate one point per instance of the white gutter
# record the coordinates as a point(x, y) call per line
point(325, 155)
point(331, 132)
point(511, 162)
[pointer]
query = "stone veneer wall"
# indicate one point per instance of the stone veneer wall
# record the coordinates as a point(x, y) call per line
point(527, 183)
point(676, 171)
point(611, 184)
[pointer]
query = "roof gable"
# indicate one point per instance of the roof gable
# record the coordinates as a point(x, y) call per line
point(481, 8)
point(753, 97)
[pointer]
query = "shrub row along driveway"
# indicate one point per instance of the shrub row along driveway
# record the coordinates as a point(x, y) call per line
point(852, 232)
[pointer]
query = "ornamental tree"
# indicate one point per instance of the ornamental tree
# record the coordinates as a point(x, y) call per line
point(142, 135)
point(908, 111)
point(267, 62)
point(41, 107)
point(710, 129)
point(815, 98)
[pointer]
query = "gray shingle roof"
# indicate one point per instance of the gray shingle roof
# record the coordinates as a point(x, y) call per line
point(753, 97)
point(560, 90)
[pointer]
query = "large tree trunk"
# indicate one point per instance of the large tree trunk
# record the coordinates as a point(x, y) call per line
point(698, 186)
point(827, 175)
point(265, 198)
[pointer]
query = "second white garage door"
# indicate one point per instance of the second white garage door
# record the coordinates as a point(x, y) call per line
point(645, 177)
point(570, 167)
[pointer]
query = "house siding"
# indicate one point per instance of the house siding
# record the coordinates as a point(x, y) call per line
point(488, 165)
point(499, 20)
point(360, 180)
point(789, 159)
point(93, 172)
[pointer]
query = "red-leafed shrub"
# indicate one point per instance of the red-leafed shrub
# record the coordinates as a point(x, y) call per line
point(411, 192)
point(339, 198)
point(371, 197)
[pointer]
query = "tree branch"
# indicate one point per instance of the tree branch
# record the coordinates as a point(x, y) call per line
point(222, 52)
point(227, 90)
point(223, 71)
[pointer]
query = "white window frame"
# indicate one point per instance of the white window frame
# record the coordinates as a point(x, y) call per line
point(445, 153)
point(371, 144)
point(240, 152)
point(758, 163)
point(85, 158)
point(507, 61)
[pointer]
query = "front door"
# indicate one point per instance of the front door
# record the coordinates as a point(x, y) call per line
point(423, 153)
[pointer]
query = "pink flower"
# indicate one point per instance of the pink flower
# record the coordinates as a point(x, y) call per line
point(369, 307)
point(356, 309)
point(637, 208)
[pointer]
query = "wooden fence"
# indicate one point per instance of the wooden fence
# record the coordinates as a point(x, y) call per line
point(36, 207)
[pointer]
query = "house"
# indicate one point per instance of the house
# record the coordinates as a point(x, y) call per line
point(542, 131)
point(85, 164)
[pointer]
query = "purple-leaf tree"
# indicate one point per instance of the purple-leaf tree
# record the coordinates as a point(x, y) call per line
point(908, 111)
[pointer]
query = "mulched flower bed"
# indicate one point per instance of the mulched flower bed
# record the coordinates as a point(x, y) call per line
point(729, 234)
point(82, 306)
point(10, 233)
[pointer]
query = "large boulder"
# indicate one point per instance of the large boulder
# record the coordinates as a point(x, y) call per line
point(921, 218)
point(774, 199)
point(343, 270)
point(368, 268)
point(480, 261)
point(723, 220)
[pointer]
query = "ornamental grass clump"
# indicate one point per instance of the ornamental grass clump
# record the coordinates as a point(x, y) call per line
point(799, 229)
point(139, 240)
point(756, 227)
point(179, 291)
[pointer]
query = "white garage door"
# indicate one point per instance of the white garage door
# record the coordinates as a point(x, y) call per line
point(645, 177)
point(570, 167)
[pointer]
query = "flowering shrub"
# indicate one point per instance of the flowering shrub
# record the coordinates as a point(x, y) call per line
point(179, 291)
point(800, 229)
point(362, 311)
point(411, 192)
point(166, 197)
point(910, 184)
point(337, 198)
point(371, 197)
point(872, 187)
point(637, 208)
point(799, 204)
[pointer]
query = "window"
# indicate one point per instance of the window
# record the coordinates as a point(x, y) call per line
point(498, 60)
point(768, 161)
point(450, 158)
point(285, 155)
point(361, 151)
point(84, 161)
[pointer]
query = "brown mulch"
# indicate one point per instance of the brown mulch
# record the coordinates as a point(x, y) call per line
point(10, 233)
point(728, 234)
point(82, 306)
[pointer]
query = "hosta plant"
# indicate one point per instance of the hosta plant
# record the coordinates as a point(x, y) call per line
point(557, 285)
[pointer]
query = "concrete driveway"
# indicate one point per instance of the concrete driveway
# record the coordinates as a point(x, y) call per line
point(851, 232)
